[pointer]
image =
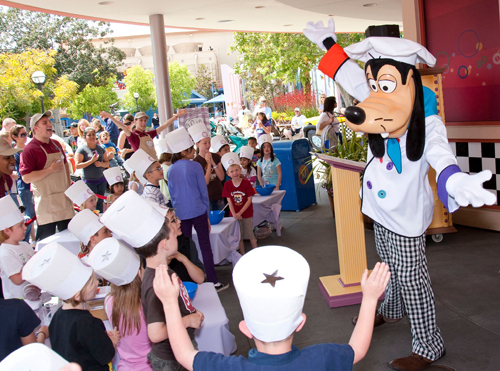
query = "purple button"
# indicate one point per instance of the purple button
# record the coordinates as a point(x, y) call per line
point(369, 184)
point(389, 166)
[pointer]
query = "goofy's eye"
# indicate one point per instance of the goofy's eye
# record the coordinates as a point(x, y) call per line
point(373, 85)
point(387, 86)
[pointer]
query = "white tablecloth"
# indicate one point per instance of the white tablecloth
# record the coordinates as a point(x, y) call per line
point(224, 240)
point(268, 208)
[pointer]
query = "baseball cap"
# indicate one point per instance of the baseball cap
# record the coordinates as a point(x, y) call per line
point(6, 149)
point(73, 125)
point(37, 116)
point(297, 109)
point(138, 115)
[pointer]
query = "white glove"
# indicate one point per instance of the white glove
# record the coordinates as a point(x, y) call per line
point(468, 189)
point(317, 33)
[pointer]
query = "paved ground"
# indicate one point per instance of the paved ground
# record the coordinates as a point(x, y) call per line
point(465, 272)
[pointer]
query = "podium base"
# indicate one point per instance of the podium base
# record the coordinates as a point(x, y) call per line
point(338, 296)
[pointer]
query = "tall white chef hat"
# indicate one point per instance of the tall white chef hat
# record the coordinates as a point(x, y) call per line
point(162, 146)
point(113, 175)
point(84, 225)
point(140, 161)
point(179, 140)
point(198, 132)
point(34, 356)
point(79, 192)
point(133, 219)
point(264, 138)
point(56, 270)
point(246, 152)
point(402, 50)
point(229, 159)
point(114, 261)
point(271, 283)
point(130, 170)
point(9, 213)
point(217, 142)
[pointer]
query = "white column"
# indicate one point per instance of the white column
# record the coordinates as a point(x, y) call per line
point(160, 61)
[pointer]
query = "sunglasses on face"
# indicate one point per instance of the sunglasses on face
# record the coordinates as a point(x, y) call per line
point(127, 123)
point(22, 135)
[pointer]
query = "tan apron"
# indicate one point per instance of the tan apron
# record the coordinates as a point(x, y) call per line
point(148, 146)
point(51, 204)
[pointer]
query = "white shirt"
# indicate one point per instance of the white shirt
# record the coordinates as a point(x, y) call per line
point(298, 122)
point(12, 260)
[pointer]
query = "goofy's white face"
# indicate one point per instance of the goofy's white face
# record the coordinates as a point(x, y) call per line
point(388, 108)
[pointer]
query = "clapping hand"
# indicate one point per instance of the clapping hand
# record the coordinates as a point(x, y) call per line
point(166, 287)
point(373, 286)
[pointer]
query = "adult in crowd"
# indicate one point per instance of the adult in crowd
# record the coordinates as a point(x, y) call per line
point(140, 138)
point(82, 125)
point(93, 159)
point(19, 135)
point(112, 129)
point(124, 146)
point(262, 125)
point(7, 166)
point(72, 137)
point(328, 125)
point(264, 108)
point(43, 164)
point(155, 121)
point(321, 107)
point(7, 124)
point(297, 125)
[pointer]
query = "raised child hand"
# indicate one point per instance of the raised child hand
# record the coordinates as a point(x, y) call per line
point(374, 285)
point(166, 289)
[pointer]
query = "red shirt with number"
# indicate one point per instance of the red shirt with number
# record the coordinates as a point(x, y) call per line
point(239, 196)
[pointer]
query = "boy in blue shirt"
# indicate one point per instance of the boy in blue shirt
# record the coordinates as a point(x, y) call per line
point(271, 283)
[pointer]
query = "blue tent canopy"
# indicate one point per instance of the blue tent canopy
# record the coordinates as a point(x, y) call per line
point(218, 99)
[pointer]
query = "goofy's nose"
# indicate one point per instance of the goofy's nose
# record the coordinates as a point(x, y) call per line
point(355, 115)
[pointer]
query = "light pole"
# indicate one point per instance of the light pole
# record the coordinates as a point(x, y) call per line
point(136, 96)
point(38, 77)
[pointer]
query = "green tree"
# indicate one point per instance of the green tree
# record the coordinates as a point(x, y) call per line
point(181, 84)
point(204, 81)
point(139, 80)
point(19, 96)
point(77, 57)
point(94, 99)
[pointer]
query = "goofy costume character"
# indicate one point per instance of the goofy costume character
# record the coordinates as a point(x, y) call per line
point(405, 136)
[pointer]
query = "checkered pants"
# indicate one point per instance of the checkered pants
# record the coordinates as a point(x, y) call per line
point(409, 290)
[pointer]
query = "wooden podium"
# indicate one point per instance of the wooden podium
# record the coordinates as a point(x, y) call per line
point(345, 288)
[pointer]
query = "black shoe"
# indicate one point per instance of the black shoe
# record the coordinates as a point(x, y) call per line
point(220, 286)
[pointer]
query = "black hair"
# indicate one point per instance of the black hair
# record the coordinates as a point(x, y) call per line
point(223, 147)
point(111, 189)
point(151, 248)
point(264, 120)
point(252, 138)
point(262, 151)
point(178, 156)
point(415, 139)
point(329, 104)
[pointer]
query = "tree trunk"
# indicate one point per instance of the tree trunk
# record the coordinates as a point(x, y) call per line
point(57, 126)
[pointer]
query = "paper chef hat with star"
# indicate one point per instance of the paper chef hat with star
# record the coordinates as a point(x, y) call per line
point(56, 270)
point(33, 357)
point(114, 261)
point(271, 283)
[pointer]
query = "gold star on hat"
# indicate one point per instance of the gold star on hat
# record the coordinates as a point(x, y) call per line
point(272, 278)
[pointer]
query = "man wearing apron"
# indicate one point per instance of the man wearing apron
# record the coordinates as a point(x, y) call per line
point(43, 164)
point(140, 138)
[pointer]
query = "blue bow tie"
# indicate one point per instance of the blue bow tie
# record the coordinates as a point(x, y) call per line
point(394, 153)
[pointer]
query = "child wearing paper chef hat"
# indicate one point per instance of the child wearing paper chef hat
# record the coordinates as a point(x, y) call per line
point(154, 237)
point(268, 166)
point(82, 196)
point(14, 252)
point(135, 182)
point(219, 145)
point(247, 170)
point(271, 283)
point(124, 269)
point(116, 184)
point(75, 334)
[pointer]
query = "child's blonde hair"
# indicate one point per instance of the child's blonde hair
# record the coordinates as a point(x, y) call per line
point(73, 300)
point(3, 236)
point(127, 306)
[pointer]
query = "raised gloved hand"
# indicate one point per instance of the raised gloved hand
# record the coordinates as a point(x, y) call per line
point(468, 189)
point(317, 33)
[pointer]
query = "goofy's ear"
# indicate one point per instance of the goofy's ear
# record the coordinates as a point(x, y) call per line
point(376, 143)
point(415, 140)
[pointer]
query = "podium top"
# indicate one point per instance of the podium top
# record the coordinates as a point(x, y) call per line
point(340, 163)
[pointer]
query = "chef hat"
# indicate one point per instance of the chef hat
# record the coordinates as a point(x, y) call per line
point(246, 152)
point(79, 192)
point(130, 170)
point(114, 262)
point(402, 50)
point(56, 270)
point(162, 146)
point(84, 225)
point(217, 142)
point(264, 138)
point(271, 283)
point(140, 161)
point(133, 219)
point(229, 159)
point(179, 140)
point(198, 132)
point(9, 213)
point(34, 356)
point(113, 175)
